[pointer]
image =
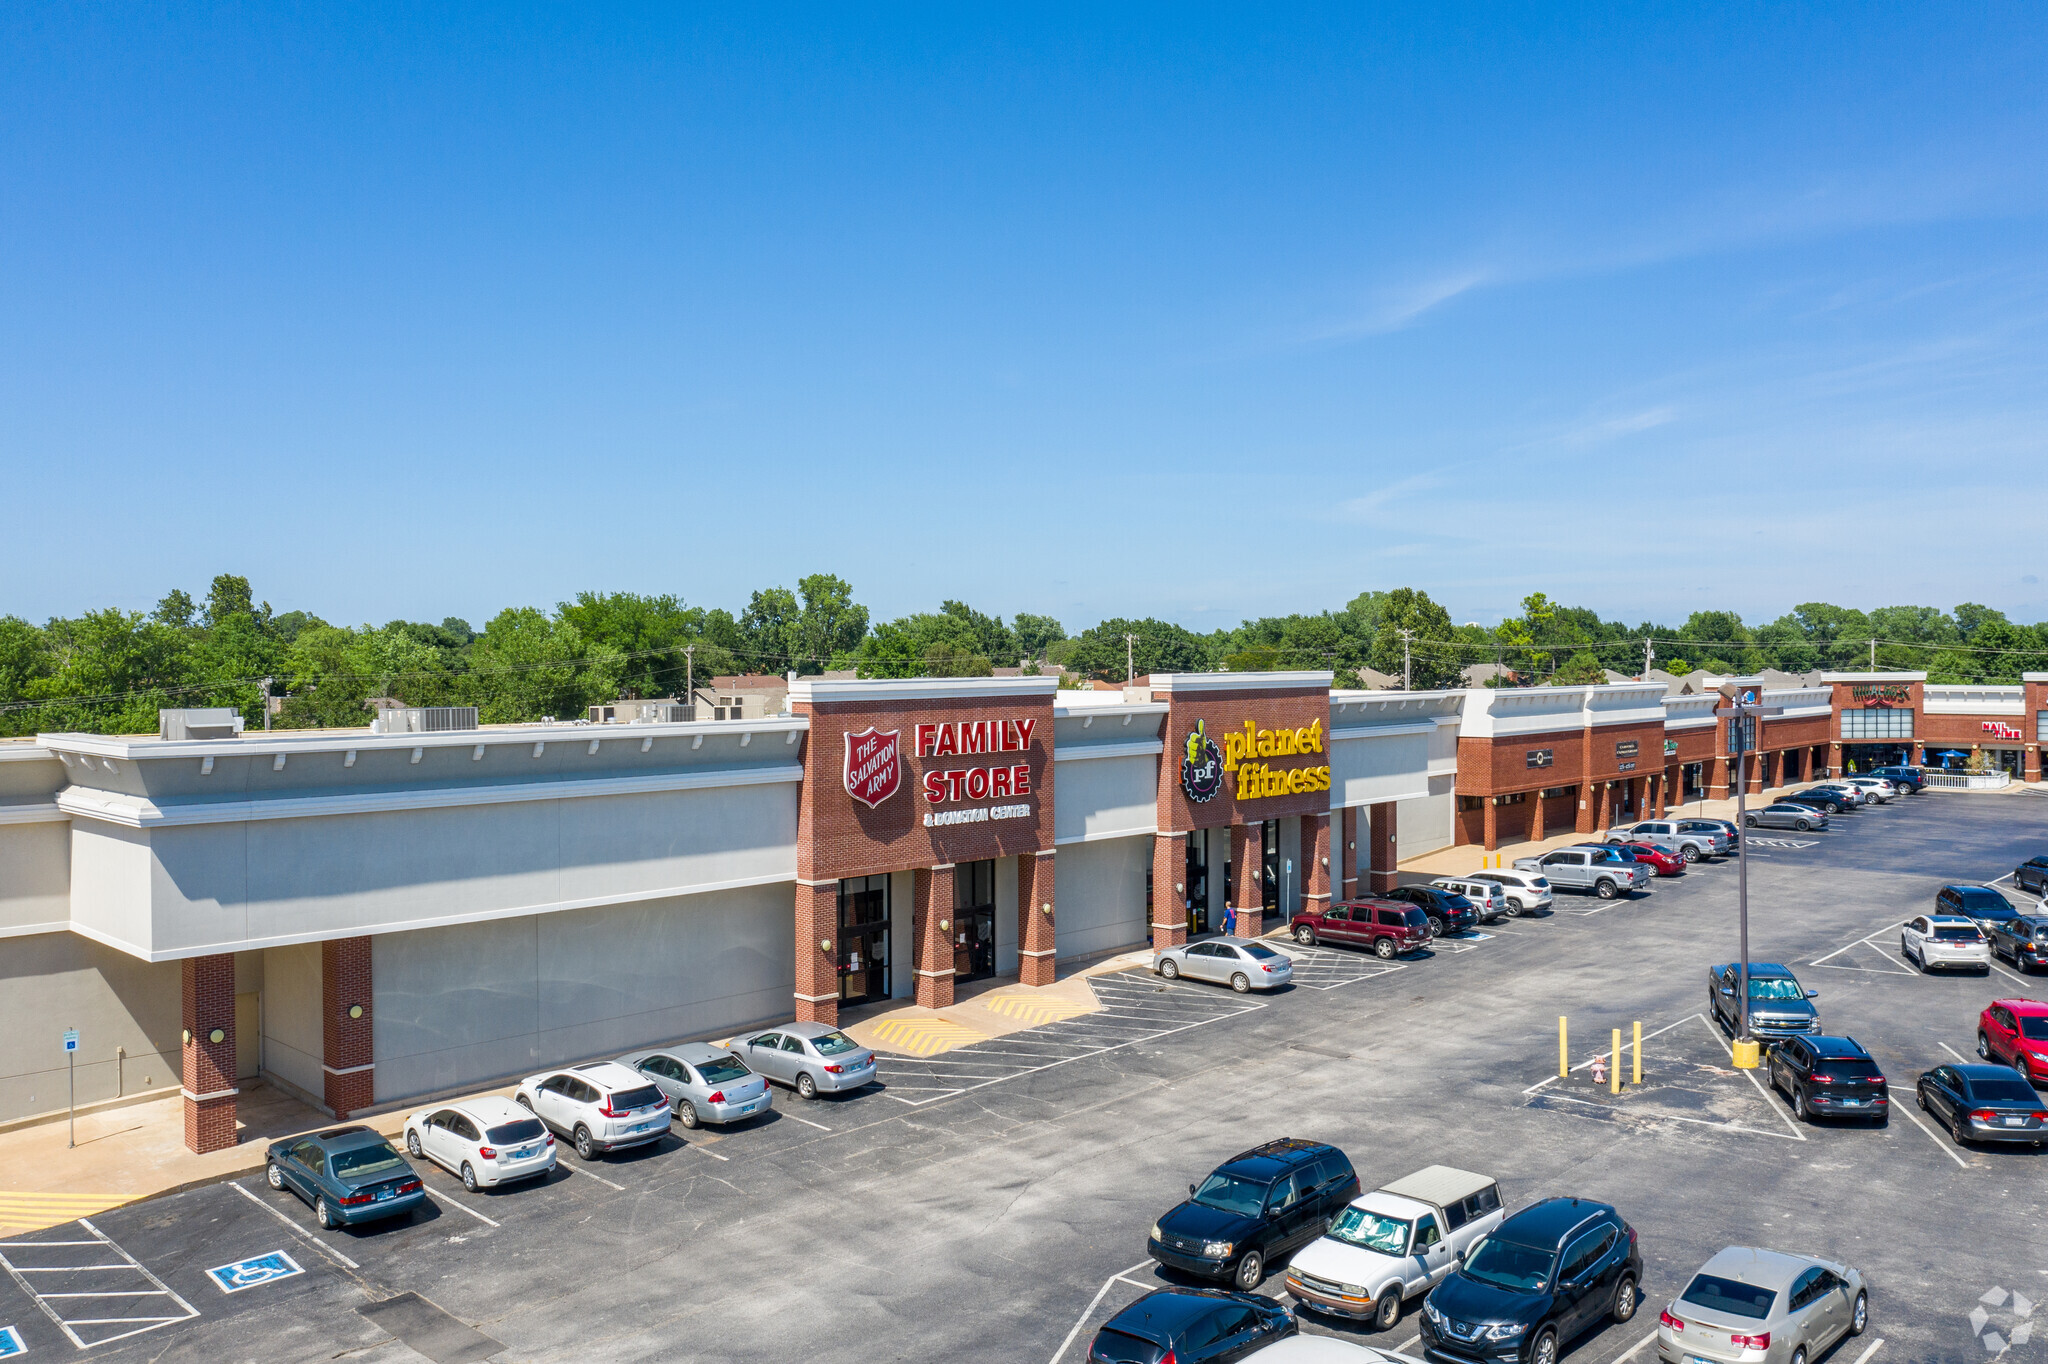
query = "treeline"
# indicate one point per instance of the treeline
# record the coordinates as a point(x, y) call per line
point(110, 671)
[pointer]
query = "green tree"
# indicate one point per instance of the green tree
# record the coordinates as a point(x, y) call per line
point(528, 666)
point(1433, 649)
point(1035, 633)
point(1160, 647)
point(175, 610)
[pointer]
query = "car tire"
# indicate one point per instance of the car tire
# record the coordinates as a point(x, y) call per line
point(1983, 1046)
point(1240, 982)
point(1957, 1130)
point(1305, 935)
point(1606, 890)
point(1749, 821)
point(1799, 1355)
point(523, 1102)
point(686, 1113)
point(322, 1214)
point(1626, 1299)
point(468, 1177)
point(412, 1145)
point(1385, 949)
point(1386, 1313)
point(1170, 969)
point(806, 1087)
point(1514, 909)
point(1251, 1271)
point(1799, 1108)
point(586, 1146)
point(1859, 1315)
point(273, 1176)
point(1437, 927)
point(1544, 1349)
point(1801, 825)
point(1689, 853)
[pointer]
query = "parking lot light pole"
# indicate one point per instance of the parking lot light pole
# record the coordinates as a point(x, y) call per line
point(1742, 712)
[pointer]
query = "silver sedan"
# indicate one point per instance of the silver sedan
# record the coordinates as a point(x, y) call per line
point(1787, 815)
point(811, 1058)
point(702, 1083)
point(1763, 1307)
point(1240, 965)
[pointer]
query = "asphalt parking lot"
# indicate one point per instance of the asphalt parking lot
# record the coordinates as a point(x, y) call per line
point(993, 1202)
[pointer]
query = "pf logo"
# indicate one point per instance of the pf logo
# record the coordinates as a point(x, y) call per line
point(874, 766)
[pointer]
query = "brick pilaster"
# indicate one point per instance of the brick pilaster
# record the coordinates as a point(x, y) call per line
point(1036, 930)
point(1385, 842)
point(1603, 806)
point(1247, 877)
point(1582, 820)
point(1348, 850)
point(346, 1025)
point(208, 1061)
point(1489, 823)
point(817, 966)
point(931, 935)
point(1535, 816)
point(1315, 862)
point(1169, 890)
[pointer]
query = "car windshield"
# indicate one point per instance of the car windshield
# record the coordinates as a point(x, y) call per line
point(1981, 897)
point(2034, 1027)
point(722, 1069)
point(834, 1044)
point(512, 1133)
point(1958, 933)
point(2013, 1091)
point(1736, 1298)
point(1232, 1194)
point(1775, 987)
point(1356, 1226)
point(1504, 1264)
point(1258, 951)
point(365, 1161)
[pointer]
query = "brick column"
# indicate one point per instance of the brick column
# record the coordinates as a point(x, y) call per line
point(932, 943)
point(1583, 816)
point(1347, 850)
point(1603, 806)
point(1169, 913)
point(346, 1026)
point(1384, 844)
point(1315, 862)
point(817, 967)
point(1717, 778)
point(1535, 816)
point(2031, 771)
point(1489, 824)
point(1035, 928)
point(208, 1052)
point(1247, 876)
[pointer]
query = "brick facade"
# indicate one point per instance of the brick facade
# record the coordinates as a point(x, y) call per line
point(1169, 900)
point(931, 937)
point(817, 966)
point(347, 1018)
point(1036, 918)
point(1315, 861)
point(1247, 890)
point(208, 1065)
point(1383, 840)
point(1348, 850)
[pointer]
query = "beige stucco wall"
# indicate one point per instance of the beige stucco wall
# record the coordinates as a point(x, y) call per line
point(1100, 896)
point(292, 1045)
point(53, 981)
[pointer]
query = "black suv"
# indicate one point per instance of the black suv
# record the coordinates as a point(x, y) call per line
point(2022, 940)
point(1829, 1077)
point(1906, 779)
point(1778, 1005)
point(2031, 876)
point(1816, 800)
point(1537, 1283)
point(1448, 911)
point(1983, 904)
point(1190, 1326)
point(1257, 1205)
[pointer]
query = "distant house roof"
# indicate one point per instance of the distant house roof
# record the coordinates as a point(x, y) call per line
point(1479, 674)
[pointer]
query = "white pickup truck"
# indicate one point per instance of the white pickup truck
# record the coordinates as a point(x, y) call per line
point(1394, 1244)
point(1598, 869)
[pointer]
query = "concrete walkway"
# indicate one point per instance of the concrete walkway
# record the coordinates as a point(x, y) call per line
point(996, 1009)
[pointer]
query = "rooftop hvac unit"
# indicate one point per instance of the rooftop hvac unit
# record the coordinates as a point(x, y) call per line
point(210, 722)
point(666, 713)
point(424, 720)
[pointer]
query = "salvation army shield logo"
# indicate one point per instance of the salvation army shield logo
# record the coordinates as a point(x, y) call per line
point(1201, 769)
point(874, 766)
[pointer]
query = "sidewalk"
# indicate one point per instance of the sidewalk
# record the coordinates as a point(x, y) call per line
point(994, 1009)
point(1465, 858)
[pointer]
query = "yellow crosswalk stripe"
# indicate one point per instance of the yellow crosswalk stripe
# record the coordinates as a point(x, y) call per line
point(26, 1211)
point(924, 1036)
point(1035, 1011)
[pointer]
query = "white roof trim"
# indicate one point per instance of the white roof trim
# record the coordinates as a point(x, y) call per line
point(1873, 677)
point(35, 812)
point(139, 812)
point(1274, 681)
point(1382, 731)
point(819, 691)
point(21, 753)
point(259, 744)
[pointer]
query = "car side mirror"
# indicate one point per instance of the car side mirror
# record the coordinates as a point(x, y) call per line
point(1813, 994)
point(1191, 1191)
point(1727, 990)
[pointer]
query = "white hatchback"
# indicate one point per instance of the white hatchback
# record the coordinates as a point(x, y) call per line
point(600, 1106)
point(486, 1141)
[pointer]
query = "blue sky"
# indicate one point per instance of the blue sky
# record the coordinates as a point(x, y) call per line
point(1203, 313)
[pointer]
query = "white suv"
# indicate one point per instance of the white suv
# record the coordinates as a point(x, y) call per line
point(1875, 789)
point(1487, 897)
point(600, 1106)
point(1526, 891)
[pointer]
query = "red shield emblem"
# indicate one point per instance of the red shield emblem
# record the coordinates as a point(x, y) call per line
point(874, 766)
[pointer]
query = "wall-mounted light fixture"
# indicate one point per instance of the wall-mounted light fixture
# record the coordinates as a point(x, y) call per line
point(216, 1037)
point(824, 944)
point(355, 1011)
point(945, 925)
point(1045, 908)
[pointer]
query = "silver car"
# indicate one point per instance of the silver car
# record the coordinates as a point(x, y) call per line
point(1945, 941)
point(702, 1083)
point(1240, 965)
point(1488, 897)
point(1762, 1307)
point(1849, 796)
point(1786, 815)
point(1526, 891)
point(811, 1058)
point(1875, 789)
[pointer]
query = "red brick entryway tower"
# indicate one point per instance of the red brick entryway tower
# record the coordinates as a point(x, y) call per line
point(921, 775)
point(207, 1045)
point(1270, 735)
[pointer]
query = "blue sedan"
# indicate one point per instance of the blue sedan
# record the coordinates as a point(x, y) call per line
point(348, 1174)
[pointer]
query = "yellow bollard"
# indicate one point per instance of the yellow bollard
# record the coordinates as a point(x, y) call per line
point(1614, 1075)
point(1746, 1055)
point(1636, 1073)
point(1564, 1065)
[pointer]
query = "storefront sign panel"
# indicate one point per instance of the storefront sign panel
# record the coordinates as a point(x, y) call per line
point(1881, 694)
point(1242, 757)
point(874, 766)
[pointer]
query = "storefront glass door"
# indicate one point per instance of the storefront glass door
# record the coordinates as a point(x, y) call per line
point(974, 921)
point(1198, 882)
point(863, 939)
point(1269, 883)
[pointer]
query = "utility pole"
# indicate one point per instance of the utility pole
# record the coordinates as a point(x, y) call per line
point(1649, 655)
point(1406, 670)
point(1873, 655)
point(1743, 714)
point(1130, 660)
point(690, 674)
point(266, 702)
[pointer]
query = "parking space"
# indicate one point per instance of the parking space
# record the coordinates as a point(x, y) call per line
point(993, 1199)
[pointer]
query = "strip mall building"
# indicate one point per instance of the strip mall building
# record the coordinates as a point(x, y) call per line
point(364, 918)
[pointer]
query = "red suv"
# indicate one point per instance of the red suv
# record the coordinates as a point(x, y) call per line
point(1662, 861)
point(2014, 1032)
point(1388, 928)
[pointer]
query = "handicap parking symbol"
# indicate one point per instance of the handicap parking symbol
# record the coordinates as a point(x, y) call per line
point(258, 1269)
point(10, 1343)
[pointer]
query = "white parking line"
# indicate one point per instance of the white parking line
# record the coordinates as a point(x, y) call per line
point(1402, 1348)
point(1953, 1052)
point(330, 1250)
point(458, 1205)
point(578, 1170)
point(1089, 1310)
point(1635, 1349)
point(102, 1242)
point(1875, 1346)
point(1960, 1162)
point(1589, 1060)
point(807, 1122)
point(706, 1151)
point(1762, 1093)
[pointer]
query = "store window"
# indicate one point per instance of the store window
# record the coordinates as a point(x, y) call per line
point(1877, 724)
